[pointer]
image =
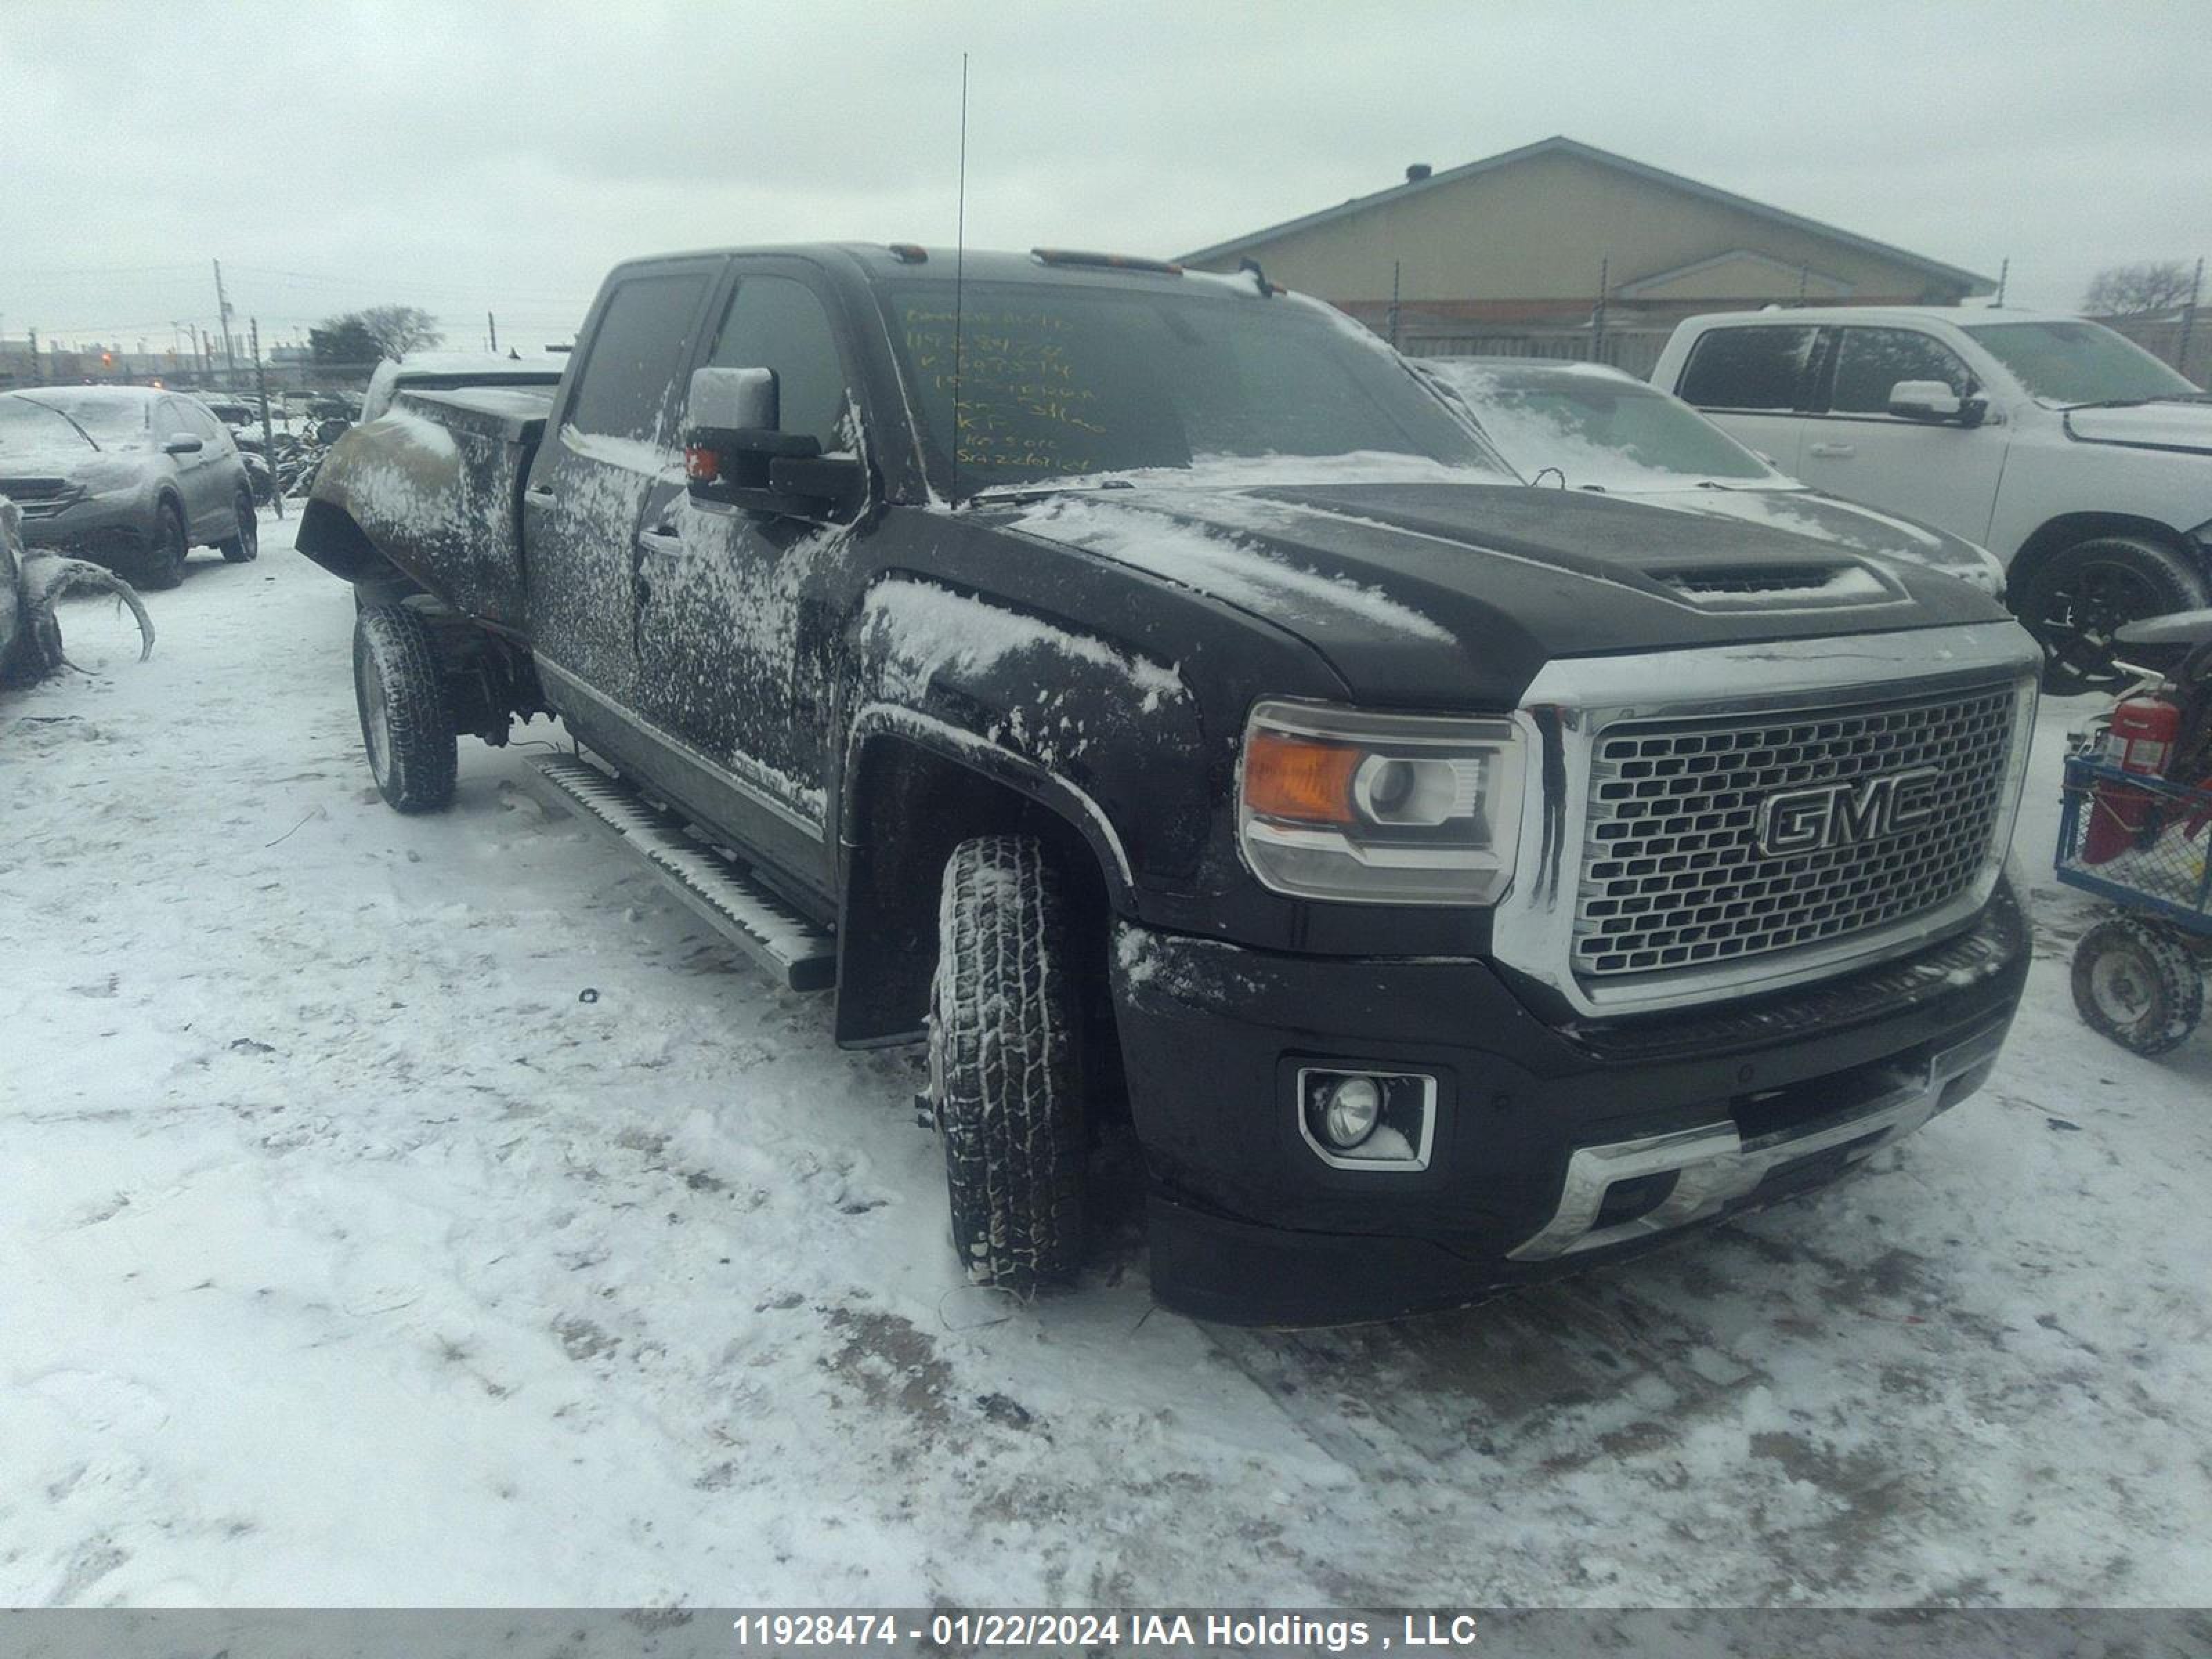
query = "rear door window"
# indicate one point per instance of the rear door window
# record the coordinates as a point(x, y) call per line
point(1870, 360)
point(1764, 368)
point(627, 390)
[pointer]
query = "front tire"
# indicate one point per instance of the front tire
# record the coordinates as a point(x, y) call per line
point(1005, 1064)
point(2136, 982)
point(413, 753)
point(163, 565)
point(244, 545)
point(2083, 595)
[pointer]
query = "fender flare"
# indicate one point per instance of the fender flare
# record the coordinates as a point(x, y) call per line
point(998, 764)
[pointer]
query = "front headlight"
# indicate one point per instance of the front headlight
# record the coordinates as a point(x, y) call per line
point(1379, 809)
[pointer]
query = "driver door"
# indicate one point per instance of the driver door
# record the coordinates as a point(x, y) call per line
point(1939, 472)
point(733, 630)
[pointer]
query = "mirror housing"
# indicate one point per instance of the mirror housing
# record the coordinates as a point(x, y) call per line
point(735, 452)
point(1932, 400)
point(183, 444)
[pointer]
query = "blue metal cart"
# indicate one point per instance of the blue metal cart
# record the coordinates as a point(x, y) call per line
point(2139, 975)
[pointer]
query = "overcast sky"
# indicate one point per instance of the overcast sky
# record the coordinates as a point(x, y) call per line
point(480, 156)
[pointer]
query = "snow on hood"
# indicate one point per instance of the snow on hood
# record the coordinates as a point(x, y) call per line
point(2156, 426)
point(46, 460)
point(1417, 590)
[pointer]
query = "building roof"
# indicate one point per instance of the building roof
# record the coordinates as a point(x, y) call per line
point(1559, 145)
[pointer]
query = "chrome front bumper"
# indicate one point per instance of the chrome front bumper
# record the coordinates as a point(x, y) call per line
point(1715, 1165)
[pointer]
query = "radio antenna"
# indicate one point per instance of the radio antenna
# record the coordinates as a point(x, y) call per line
point(959, 267)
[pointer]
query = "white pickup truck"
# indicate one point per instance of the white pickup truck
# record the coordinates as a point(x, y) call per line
point(2078, 459)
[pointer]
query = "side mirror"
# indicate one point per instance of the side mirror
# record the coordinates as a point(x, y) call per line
point(735, 452)
point(182, 444)
point(1932, 400)
point(728, 401)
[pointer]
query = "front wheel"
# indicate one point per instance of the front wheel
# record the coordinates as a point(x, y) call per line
point(2136, 982)
point(413, 753)
point(244, 543)
point(163, 565)
point(2084, 595)
point(1005, 1064)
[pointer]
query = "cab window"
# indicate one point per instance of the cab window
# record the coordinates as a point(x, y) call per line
point(1870, 360)
point(778, 323)
point(642, 339)
point(1749, 368)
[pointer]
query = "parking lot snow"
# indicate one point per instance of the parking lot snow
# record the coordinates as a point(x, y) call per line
point(405, 1211)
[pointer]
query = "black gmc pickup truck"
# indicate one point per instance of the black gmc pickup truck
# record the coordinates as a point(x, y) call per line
point(1142, 688)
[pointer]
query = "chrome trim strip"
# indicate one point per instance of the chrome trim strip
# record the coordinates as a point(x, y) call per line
point(1715, 1165)
point(720, 774)
point(1571, 702)
point(1414, 1165)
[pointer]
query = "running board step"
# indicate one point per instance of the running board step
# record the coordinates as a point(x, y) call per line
point(722, 892)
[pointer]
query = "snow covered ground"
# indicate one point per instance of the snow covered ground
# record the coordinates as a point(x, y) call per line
point(426, 1212)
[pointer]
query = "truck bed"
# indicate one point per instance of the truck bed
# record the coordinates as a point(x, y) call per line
point(435, 485)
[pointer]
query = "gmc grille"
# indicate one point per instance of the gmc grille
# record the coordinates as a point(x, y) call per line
point(1673, 875)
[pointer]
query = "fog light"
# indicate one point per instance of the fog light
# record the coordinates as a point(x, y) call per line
point(1351, 1107)
point(1367, 1120)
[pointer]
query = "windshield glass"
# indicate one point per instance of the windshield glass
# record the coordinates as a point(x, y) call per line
point(26, 425)
point(1063, 382)
point(2078, 362)
point(1598, 429)
point(112, 421)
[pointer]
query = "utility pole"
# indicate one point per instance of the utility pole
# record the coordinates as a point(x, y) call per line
point(1597, 317)
point(2189, 318)
point(491, 326)
point(1393, 304)
point(268, 433)
point(2004, 273)
point(222, 316)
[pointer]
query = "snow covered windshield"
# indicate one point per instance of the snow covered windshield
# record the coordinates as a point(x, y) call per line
point(1597, 429)
point(1061, 382)
point(24, 424)
point(2079, 362)
point(111, 420)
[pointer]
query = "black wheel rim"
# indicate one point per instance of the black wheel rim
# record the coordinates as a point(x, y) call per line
point(2084, 612)
point(169, 551)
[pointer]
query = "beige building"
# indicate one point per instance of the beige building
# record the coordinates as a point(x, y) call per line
point(1507, 253)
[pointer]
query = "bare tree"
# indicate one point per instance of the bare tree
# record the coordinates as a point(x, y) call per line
point(398, 329)
point(2133, 290)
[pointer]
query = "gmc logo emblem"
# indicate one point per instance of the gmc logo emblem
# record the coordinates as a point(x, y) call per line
point(1846, 814)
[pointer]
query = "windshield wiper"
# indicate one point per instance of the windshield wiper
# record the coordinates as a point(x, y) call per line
point(63, 413)
point(1033, 492)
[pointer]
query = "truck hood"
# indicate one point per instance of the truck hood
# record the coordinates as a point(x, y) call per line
point(1454, 595)
point(2146, 426)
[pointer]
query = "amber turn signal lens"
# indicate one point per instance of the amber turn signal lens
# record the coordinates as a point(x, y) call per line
point(1300, 779)
point(700, 466)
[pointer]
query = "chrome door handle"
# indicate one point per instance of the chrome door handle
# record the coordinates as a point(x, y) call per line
point(1833, 452)
point(539, 493)
point(660, 541)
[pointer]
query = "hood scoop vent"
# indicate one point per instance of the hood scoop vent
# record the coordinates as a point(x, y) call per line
point(1774, 587)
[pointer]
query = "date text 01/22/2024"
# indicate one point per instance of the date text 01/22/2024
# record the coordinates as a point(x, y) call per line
point(1190, 1632)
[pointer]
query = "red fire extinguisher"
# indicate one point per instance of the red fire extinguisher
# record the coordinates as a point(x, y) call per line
point(2141, 740)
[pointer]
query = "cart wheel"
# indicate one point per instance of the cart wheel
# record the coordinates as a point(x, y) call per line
point(2136, 982)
